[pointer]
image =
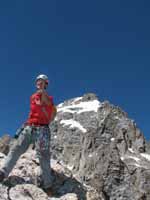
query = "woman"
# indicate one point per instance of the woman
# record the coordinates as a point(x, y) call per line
point(35, 131)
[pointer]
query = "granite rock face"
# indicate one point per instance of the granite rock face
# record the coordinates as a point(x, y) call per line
point(102, 147)
point(98, 153)
point(5, 144)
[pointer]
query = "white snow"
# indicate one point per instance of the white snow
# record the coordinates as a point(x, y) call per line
point(56, 118)
point(145, 155)
point(131, 150)
point(122, 158)
point(137, 165)
point(138, 160)
point(132, 157)
point(112, 139)
point(70, 167)
point(80, 107)
point(116, 117)
point(60, 105)
point(2, 155)
point(89, 106)
point(135, 158)
point(73, 124)
point(77, 99)
point(2, 159)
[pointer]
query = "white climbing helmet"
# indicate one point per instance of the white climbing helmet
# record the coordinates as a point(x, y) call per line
point(42, 76)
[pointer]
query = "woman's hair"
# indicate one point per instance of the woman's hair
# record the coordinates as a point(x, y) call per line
point(46, 85)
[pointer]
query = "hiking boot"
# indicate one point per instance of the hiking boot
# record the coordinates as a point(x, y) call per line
point(48, 191)
point(2, 176)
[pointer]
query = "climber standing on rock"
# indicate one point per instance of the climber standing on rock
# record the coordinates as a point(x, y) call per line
point(35, 131)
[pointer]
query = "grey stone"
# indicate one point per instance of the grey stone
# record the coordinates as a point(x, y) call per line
point(109, 160)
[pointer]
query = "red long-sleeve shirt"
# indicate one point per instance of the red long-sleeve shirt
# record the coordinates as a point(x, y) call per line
point(37, 115)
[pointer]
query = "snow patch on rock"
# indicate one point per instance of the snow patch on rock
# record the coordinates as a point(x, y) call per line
point(73, 124)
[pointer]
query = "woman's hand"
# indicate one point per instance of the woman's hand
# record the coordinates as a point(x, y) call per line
point(44, 97)
point(54, 112)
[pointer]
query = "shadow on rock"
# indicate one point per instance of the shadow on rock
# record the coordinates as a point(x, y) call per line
point(12, 181)
point(64, 184)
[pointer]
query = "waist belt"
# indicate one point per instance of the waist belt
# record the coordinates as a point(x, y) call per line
point(39, 125)
point(36, 125)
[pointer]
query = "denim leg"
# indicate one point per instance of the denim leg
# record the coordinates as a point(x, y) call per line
point(19, 147)
point(42, 145)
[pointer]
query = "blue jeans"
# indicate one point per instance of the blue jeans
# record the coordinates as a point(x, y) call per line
point(40, 137)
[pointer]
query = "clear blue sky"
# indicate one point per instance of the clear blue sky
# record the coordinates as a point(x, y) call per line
point(83, 46)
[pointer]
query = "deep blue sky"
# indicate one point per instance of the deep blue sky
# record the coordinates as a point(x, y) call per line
point(83, 46)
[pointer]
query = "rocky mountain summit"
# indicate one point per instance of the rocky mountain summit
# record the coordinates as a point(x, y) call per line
point(98, 153)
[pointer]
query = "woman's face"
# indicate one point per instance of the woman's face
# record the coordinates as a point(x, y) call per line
point(40, 84)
